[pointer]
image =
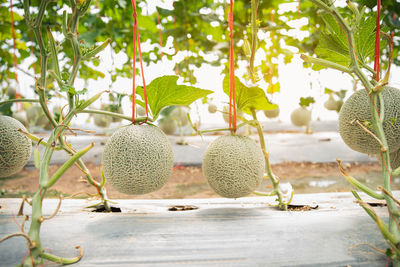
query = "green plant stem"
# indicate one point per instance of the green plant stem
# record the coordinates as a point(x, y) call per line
point(19, 101)
point(254, 5)
point(36, 218)
point(325, 63)
point(96, 50)
point(386, 169)
point(63, 261)
point(112, 114)
point(66, 166)
point(38, 140)
point(377, 120)
point(271, 175)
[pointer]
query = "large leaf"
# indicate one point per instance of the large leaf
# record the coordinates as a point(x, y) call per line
point(333, 45)
point(248, 98)
point(164, 91)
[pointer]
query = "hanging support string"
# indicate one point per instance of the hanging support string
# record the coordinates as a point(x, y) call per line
point(17, 93)
point(232, 102)
point(377, 40)
point(160, 34)
point(136, 38)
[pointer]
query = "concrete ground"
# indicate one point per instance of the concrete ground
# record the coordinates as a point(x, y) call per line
point(220, 232)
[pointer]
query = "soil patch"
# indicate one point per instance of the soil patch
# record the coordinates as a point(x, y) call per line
point(189, 182)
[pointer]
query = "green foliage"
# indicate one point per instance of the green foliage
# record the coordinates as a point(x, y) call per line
point(201, 31)
point(248, 98)
point(164, 91)
point(333, 45)
point(341, 94)
point(306, 101)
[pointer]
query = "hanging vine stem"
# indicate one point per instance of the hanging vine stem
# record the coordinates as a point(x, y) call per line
point(393, 233)
point(69, 30)
point(271, 175)
point(45, 182)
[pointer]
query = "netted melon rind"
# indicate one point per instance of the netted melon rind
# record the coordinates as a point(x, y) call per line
point(15, 147)
point(395, 159)
point(358, 107)
point(234, 166)
point(137, 159)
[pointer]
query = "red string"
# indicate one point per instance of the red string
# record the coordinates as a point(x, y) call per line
point(232, 102)
point(271, 72)
point(377, 40)
point(159, 33)
point(17, 93)
point(136, 38)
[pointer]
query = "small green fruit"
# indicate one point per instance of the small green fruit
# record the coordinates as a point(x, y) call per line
point(212, 108)
point(21, 117)
point(33, 113)
point(114, 119)
point(225, 113)
point(180, 116)
point(15, 147)
point(330, 104)
point(137, 159)
point(11, 92)
point(234, 166)
point(357, 107)
point(141, 111)
point(168, 126)
point(273, 113)
point(43, 122)
point(301, 117)
point(102, 121)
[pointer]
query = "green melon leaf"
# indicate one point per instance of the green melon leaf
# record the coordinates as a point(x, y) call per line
point(306, 101)
point(333, 44)
point(248, 98)
point(164, 91)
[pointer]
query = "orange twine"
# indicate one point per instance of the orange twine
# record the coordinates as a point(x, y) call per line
point(17, 93)
point(136, 38)
point(232, 102)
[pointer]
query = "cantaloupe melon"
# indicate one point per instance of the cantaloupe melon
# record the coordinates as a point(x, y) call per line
point(273, 113)
point(180, 116)
point(395, 159)
point(225, 113)
point(358, 107)
point(33, 114)
point(102, 121)
point(234, 166)
point(141, 111)
point(212, 108)
point(15, 147)
point(21, 117)
point(332, 104)
point(137, 159)
point(168, 126)
point(115, 119)
point(301, 116)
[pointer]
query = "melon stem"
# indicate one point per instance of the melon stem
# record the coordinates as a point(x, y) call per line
point(271, 175)
point(377, 122)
